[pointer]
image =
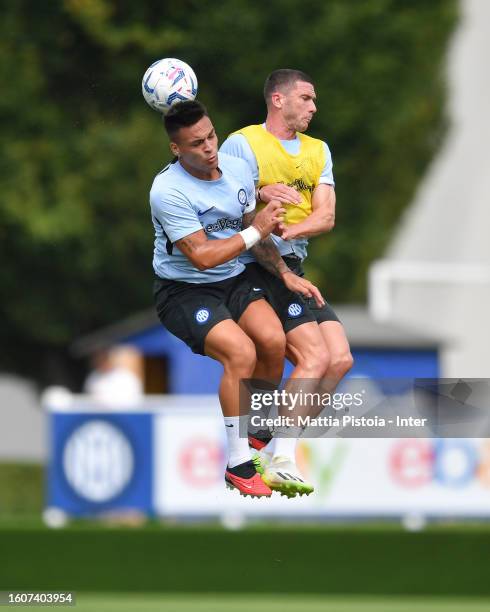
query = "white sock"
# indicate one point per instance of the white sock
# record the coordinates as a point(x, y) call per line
point(238, 449)
point(284, 447)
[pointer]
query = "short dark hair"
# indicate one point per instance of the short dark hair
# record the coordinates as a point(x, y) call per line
point(283, 79)
point(183, 114)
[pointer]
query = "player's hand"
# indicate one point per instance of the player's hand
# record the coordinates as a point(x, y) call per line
point(267, 219)
point(301, 285)
point(286, 232)
point(281, 193)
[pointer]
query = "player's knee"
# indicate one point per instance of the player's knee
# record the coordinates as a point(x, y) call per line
point(314, 362)
point(242, 359)
point(271, 342)
point(340, 364)
point(321, 361)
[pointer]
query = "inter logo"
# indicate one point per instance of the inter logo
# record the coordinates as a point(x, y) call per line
point(98, 461)
point(202, 315)
point(242, 196)
point(295, 310)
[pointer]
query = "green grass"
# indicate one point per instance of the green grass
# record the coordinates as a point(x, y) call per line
point(326, 561)
point(21, 489)
point(122, 602)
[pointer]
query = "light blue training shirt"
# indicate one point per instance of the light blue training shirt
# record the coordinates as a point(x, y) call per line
point(182, 204)
point(238, 145)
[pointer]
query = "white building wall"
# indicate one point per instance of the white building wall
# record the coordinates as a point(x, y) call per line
point(22, 422)
point(436, 273)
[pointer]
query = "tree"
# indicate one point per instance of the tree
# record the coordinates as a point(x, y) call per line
point(80, 148)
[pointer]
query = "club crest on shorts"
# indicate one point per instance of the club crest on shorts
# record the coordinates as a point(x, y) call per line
point(295, 310)
point(202, 316)
point(242, 196)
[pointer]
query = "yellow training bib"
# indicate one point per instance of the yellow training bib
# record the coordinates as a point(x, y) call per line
point(276, 165)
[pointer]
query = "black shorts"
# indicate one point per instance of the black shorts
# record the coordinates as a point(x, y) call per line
point(191, 310)
point(321, 313)
point(290, 307)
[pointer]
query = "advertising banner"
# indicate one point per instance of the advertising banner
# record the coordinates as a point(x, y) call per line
point(100, 462)
point(167, 456)
point(352, 477)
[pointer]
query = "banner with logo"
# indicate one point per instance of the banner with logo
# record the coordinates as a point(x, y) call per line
point(352, 477)
point(101, 462)
point(167, 458)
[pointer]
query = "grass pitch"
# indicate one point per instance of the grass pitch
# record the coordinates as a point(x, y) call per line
point(121, 602)
point(323, 561)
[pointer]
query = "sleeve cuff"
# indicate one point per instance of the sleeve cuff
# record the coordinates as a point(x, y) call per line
point(175, 236)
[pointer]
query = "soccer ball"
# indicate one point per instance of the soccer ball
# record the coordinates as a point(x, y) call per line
point(168, 81)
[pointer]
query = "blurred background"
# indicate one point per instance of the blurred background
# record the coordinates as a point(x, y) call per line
point(403, 97)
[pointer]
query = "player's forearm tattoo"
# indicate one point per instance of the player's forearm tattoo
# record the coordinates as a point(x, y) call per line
point(188, 244)
point(265, 251)
point(247, 219)
point(268, 256)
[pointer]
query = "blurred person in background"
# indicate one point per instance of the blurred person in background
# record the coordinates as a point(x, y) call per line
point(117, 377)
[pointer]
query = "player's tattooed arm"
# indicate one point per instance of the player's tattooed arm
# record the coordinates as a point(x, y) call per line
point(269, 257)
point(265, 251)
point(205, 254)
point(187, 244)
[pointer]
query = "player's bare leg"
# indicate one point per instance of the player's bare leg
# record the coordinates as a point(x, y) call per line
point(308, 351)
point(260, 323)
point(307, 347)
point(263, 327)
point(341, 360)
point(229, 345)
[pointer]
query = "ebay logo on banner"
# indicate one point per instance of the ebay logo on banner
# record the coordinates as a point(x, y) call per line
point(200, 462)
point(455, 463)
